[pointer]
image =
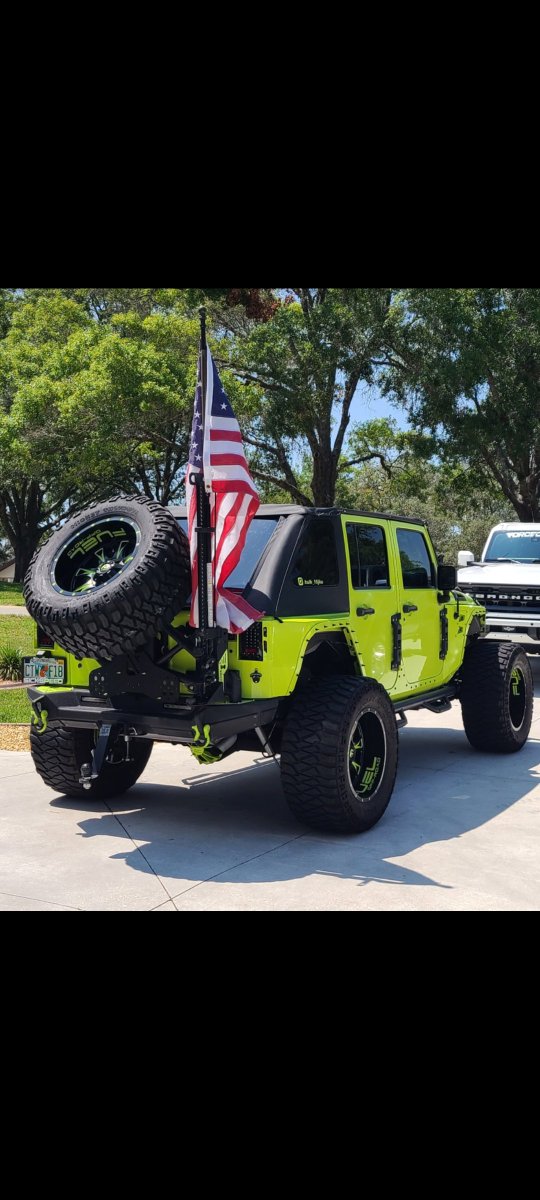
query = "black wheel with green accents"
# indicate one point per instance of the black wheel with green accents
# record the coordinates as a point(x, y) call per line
point(111, 579)
point(95, 555)
point(496, 696)
point(339, 754)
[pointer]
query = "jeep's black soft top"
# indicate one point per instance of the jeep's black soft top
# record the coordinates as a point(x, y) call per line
point(272, 589)
point(284, 510)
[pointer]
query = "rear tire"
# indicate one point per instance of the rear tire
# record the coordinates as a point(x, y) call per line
point(59, 754)
point(497, 696)
point(340, 753)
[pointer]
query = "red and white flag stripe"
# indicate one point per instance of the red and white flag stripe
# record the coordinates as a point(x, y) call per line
point(233, 499)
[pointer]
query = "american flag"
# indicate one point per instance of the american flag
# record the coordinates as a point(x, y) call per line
point(219, 455)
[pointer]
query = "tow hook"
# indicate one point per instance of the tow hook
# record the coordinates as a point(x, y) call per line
point(86, 776)
point(206, 751)
point(127, 738)
point(91, 771)
point(40, 717)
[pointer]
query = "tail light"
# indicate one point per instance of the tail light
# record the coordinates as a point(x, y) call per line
point(43, 639)
point(251, 643)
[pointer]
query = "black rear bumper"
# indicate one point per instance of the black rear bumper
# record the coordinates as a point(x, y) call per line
point(78, 710)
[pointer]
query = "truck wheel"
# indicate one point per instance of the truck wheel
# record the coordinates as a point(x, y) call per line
point(59, 754)
point(339, 755)
point(111, 578)
point(496, 696)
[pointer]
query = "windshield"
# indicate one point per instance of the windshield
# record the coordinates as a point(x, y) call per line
point(516, 545)
point(258, 536)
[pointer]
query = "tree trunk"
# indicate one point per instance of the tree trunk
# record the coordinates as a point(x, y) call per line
point(323, 480)
point(24, 549)
point(20, 515)
point(527, 510)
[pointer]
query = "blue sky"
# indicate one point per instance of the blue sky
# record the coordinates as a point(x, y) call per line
point(368, 404)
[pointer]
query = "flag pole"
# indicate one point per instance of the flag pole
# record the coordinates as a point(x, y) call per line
point(204, 551)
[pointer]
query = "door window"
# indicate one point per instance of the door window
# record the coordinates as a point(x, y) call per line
point(368, 556)
point(417, 568)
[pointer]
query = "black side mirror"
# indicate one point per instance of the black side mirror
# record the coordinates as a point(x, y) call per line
point(446, 578)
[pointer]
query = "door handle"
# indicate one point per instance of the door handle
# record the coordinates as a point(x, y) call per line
point(410, 608)
point(365, 612)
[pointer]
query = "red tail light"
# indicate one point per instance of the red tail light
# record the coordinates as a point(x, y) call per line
point(43, 639)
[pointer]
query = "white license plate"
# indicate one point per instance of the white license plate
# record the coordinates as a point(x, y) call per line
point(44, 670)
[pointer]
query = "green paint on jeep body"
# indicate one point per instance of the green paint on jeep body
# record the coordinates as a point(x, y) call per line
point(286, 643)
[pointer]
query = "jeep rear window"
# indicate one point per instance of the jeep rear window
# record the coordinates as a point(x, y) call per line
point(258, 537)
point(316, 564)
point(520, 545)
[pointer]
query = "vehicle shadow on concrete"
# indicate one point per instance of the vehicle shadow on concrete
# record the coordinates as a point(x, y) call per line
point(236, 827)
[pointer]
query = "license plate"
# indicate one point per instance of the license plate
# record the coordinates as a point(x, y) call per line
point(44, 670)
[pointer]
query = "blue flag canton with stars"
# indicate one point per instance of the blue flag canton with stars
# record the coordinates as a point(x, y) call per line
point(196, 448)
point(221, 405)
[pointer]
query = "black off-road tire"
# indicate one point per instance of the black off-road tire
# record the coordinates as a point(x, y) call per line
point(496, 696)
point(59, 754)
point(320, 758)
point(132, 603)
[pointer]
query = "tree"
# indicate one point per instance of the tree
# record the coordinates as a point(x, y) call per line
point(137, 400)
point(6, 303)
point(465, 362)
point(89, 406)
point(103, 304)
point(45, 343)
point(458, 512)
point(306, 363)
point(256, 304)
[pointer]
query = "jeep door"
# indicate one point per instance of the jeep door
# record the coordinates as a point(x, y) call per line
point(420, 609)
point(373, 590)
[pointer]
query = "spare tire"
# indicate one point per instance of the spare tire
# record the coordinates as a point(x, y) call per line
point(111, 578)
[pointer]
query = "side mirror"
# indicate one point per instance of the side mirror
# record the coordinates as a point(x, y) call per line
point(446, 578)
point(465, 558)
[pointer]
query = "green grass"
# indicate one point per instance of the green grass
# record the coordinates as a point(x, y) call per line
point(11, 593)
point(17, 632)
point(15, 706)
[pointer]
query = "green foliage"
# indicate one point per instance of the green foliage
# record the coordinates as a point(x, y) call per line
point(458, 511)
point(15, 707)
point(102, 304)
point(307, 362)
point(96, 393)
point(6, 301)
point(10, 663)
point(466, 364)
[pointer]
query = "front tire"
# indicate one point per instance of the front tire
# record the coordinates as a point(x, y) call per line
point(59, 754)
point(497, 696)
point(339, 755)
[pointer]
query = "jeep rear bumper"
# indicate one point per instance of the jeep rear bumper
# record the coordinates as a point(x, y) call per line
point(78, 710)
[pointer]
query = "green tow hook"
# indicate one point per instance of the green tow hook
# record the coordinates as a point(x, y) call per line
point(202, 748)
point(40, 719)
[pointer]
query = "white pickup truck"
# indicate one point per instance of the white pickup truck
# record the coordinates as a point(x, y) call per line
point(507, 579)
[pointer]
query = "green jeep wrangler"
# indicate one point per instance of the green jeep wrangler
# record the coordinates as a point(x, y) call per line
point(360, 624)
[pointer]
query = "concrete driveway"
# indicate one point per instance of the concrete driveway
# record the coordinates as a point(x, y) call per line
point(462, 831)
